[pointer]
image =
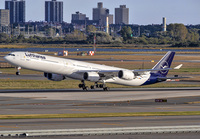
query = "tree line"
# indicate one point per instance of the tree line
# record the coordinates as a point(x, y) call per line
point(176, 35)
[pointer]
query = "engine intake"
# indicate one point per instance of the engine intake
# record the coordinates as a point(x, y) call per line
point(91, 76)
point(126, 74)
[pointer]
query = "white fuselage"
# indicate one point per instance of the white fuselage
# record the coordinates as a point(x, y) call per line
point(67, 67)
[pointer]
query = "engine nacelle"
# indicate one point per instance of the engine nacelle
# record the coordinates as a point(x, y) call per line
point(91, 76)
point(126, 74)
point(54, 77)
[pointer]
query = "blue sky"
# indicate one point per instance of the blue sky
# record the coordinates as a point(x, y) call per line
point(141, 12)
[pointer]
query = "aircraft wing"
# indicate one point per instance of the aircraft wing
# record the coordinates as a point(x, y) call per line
point(114, 73)
point(107, 74)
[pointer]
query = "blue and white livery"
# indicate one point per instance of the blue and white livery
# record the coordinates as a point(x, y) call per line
point(58, 69)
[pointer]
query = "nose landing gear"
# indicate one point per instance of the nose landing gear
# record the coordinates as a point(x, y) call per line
point(18, 70)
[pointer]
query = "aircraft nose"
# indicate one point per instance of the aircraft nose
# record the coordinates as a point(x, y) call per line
point(6, 58)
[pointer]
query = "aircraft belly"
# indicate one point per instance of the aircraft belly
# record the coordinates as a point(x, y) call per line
point(134, 82)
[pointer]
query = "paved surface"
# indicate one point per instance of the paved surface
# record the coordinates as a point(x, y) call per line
point(116, 100)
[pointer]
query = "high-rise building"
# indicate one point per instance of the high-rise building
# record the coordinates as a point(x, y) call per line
point(4, 19)
point(17, 10)
point(122, 15)
point(101, 14)
point(54, 11)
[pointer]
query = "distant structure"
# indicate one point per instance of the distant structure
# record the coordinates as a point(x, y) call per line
point(4, 19)
point(122, 15)
point(17, 10)
point(101, 13)
point(54, 11)
point(107, 25)
point(78, 16)
point(81, 19)
point(164, 25)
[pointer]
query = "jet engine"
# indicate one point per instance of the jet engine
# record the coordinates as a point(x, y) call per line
point(91, 76)
point(54, 77)
point(126, 74)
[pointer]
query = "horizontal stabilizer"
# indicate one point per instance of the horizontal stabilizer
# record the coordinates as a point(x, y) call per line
point(179, 66)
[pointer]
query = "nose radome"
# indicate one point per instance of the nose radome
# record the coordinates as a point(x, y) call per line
point(6, 58)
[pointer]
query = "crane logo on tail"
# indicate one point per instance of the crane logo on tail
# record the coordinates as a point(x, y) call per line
point(164, 65)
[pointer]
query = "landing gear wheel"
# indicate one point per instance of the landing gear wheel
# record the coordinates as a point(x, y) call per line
point(93, 87)
point(17, 73)
point(80, 85)
point(86, 88)
point(106, 88)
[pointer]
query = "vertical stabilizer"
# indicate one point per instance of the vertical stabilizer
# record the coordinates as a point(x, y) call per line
point(165, 62)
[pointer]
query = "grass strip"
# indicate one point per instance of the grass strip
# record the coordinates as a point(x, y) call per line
point(95, 115)
point(69, 84)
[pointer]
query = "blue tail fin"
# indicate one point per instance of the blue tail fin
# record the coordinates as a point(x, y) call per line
point(165, 62)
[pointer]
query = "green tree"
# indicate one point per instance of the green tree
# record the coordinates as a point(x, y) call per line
point(178, 32)
point(193, 35)
point(126, 33)
point(103, 37)
point(21, 39)
point(76, 35)
point(3, 37)
point(91, 28)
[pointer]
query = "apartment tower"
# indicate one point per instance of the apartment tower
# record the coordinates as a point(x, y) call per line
point(122, 15)
point(101, 14)
point(54, 11)
point(17, 10)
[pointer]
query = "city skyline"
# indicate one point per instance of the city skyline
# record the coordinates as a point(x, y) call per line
point(141, 12)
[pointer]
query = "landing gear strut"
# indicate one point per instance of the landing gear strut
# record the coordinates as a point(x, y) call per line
point(96, 85)
point(18, 70)
point(82, 85)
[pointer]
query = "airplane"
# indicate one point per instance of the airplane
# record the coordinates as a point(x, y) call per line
point(57, 69)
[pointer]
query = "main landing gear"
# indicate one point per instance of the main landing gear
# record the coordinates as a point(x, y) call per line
point(96, 85)
point(82, 85)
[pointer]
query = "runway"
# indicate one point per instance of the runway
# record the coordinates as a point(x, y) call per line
point(117, 100)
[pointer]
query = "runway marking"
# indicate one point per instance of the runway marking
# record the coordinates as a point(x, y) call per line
point(9, 126)
point(112, 124)
point(195, 102)
point(76, 110)
point(164, 108)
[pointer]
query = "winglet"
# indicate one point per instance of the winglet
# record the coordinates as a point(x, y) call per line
point(179, 66)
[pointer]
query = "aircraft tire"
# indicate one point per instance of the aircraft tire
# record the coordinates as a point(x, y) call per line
point(17, 73)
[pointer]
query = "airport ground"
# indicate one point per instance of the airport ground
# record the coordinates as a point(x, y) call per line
point(73, 101)
point(184, 96)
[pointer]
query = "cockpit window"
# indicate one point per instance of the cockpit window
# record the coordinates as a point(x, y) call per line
point(11, 54)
